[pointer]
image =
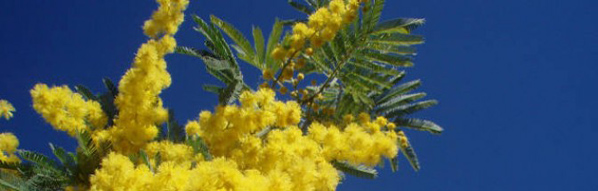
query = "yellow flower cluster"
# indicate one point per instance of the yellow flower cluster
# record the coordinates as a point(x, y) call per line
point(66, 110)
point(257, 146)
point(356, 143)
point(119, 173)
point(257, 111)
point(166, 19)
point(140, 108)
point(8, 147)
point(178, 153)
point(321, 27)
point(6, 109)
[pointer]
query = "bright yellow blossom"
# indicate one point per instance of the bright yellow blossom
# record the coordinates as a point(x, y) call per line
point(6, 109)
point(66, 110)
point(192, 128)
point(138, 101)
point(8, 147)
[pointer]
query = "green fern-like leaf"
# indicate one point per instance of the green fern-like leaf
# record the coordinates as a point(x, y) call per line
point(301, 7)
point(403, 110)
point(357, 171)
point(258, 39)
point(400, 25)
point(409, 153)
point(419, 124)
point(245, 50)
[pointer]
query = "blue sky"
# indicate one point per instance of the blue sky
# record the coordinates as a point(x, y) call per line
point(516, 81)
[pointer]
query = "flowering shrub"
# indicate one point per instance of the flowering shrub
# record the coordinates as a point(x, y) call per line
point(252, 140)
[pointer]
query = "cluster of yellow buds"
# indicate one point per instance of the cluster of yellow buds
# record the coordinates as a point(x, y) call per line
point(321, 27)
point(286, 75)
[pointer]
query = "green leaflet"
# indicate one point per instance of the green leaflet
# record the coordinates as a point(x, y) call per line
point(36, 158)
point(372, 16)
point(258, 39)
point(390, 48)
point(145, 159)
point(301, 7)
point(373, 67)
point(272, 42)
point(403, 110)
point(419, 124)
point(390, 59)
point(245, 51)
point(357, 171)
point(199, 146)
point(396, 39)
point(221, 63)
point(174, 132)
point(212, 88)
point(398, 101)
point(65, 158)
point(394, 163)
point(86, 93)
point(372, 80)
point(398, 25)
point(409, 153)
point(112, 89)
point(396, 91)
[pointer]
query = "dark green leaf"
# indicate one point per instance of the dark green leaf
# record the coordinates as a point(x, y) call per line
point(419, 124)
point(212, 88)
point(394, 164)
point(301, 7)
point(396, 39)
point(401, 25)
point(403, 110)
point(357, 171)
point(199, 146)
point(390, 48)
point(230, 93)
point(391, 59)
point(9, 165)
point(41, 160)
point(85, 92)
point(409, 153)
point(401, 89)
point(372, 67)
point(110, 86)
point(176, 132)
point(398, 100)
point(258, 39)
point(246, 52)
point(272, 42)
point(146, 160)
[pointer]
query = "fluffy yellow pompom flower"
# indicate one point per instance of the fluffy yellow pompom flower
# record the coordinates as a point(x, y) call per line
point(179, 153)
point(166, 19)
point(6, 109)
point(66, 110)
point(8, 146)
point(138, 101)
point(355, 143)
point(192, 128)
point(119, 173)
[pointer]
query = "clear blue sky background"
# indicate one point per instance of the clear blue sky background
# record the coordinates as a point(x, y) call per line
point(516, 80)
